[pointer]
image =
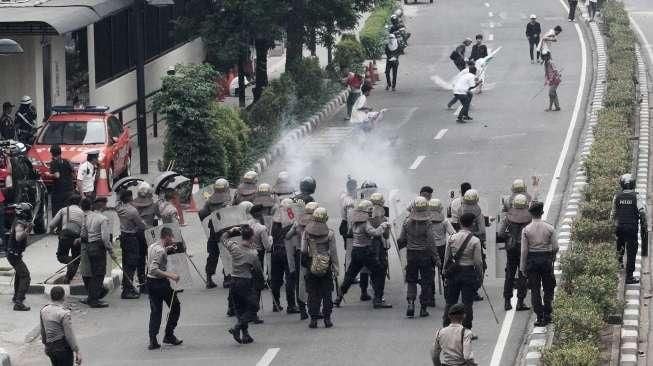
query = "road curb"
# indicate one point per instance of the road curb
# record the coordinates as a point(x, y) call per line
point(110, 282)
point(540, 337)
point(298, 133)
point(630, 329)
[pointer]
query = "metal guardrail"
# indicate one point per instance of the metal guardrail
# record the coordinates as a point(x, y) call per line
point(155, 117)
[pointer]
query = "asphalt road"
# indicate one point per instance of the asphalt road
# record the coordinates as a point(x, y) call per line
point(418, 143)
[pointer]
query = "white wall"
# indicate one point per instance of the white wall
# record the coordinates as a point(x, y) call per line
point(122, 91)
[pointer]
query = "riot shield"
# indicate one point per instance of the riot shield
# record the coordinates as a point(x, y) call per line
point(288, 214)
point(126, 183)
point(228, 217)
point(177, 262)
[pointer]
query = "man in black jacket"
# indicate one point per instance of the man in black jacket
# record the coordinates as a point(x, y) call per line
point(479, 50)
point(458, 55)
point(533, 31)
point(392, 52)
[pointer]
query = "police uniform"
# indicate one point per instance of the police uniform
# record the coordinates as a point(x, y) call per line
point(417, 237)
point(86, 176)
point(130, 224)
point(464, 283)
point(93, 263)
point(538, 251)
point(69, 221)
point(218, 200)
point(514, 221)
point(295, 232)
point(245, 287)
point(15, 248)
point(159, 290)
point(453, 344)
point(627, 212)
point(57, 334)
point(381, 244)
point(319, 240)
point(364, 255)
point(282, 188)
point(148, 211)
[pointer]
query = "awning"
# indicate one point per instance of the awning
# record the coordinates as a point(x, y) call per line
point(54, 16)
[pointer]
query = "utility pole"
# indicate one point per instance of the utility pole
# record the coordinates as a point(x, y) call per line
point(141, 117)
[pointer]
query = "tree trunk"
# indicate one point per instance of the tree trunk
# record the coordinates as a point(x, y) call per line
point(241, 80)
point(295, 34)
point(261, 46)
point(312, 42)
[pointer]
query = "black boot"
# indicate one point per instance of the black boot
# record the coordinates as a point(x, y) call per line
point(540, 322)
point(521, 306)
point(365, 296)
point(19, 306)
point(154, 344)
point(327, 321)
point(337, 301)
point(209, 282)
point(507, 305)
point(276, 304)
point(172, 339)
point(235, 332)
point(478, 297)
point(292, 310)
point(423, 312)
point(303, 315)
point(379, 303)
point(313, 323)
point(410, 311)
point(246, 338)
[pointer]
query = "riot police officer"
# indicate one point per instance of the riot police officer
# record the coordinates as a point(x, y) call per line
point(265, 198)
point(148, 211)
point(364, 255)
point(442, 229)
point(247, 188)
point(282, 224)
point(628, 212)
point(381, 244)
point(20, 229)
point(469, 204)
point(306, 189)
point(130, 224)
point(417, 236)
point(25, 121)
point(516, 217)
point(320, 257)
point(538, 252)
point(220, 198)
point(366, 190)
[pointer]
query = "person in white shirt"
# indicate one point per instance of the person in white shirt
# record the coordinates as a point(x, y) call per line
point(462, 86)
point(453, 82)
point(86, 174)
point(548, 39)
point(363, 115)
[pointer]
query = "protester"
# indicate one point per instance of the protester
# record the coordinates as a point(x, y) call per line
point(533, 31)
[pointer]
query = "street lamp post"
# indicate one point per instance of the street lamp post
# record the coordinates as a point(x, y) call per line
point(141, 113)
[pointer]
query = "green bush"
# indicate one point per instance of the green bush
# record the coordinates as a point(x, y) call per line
point(309, 87)
point(573, 354)
point(234, 135)
point(589, 231)
point(348, 53)
point(601, 188)
point(596, 210)
point(602, 290)
point(576, 318)
point(374, 34)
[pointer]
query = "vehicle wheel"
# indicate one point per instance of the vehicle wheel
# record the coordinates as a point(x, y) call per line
point(41, 221)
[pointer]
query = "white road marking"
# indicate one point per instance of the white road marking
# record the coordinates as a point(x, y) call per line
point(417, 162)
point(407, 118)
point(267, 358)
point(490, 14)
point(490, 37)
point(642, 37)
point(507, 321)
point(440, 134)
point(508, 136)
point(457, 110)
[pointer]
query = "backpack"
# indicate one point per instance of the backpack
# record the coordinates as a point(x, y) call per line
point(320, 263)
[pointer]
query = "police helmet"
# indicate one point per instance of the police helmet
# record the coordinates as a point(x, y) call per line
point(626, 181)
point(310, 207)
point(320, 214)
point(307, 185)
point(518, 186)
point(250, 177)
point(368, 184)
point(26, 100)
point(351, 184)
point(377, 199)
point(420, 203)
point(264, 188)
point(247, 206)
point(520, 201)
point(221, 185)
point(144, 189)
point(365, 206)
point(283, 177)
point(435, 204)
point(471, 196)
point(23, 211)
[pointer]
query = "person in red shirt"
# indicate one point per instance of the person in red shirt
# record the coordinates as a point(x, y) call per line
point(552, 78)
point(354, 82)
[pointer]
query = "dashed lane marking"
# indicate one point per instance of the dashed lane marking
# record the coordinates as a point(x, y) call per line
point(417, 162)
point(487, 5)
point(490, 14)
point(268, 357)
point(440, 134)
point(490, 37)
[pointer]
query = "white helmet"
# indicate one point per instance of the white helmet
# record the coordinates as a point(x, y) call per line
point(287, 202)
point(320, 214)
point(377, 198)
point(518, 186)
point(471, 196)
point(144, 189)
point(365, 206)
point(520, 201)
point(435, 204)
point(221, 184)
point(26, 100)
point(420, 203)
point(311, 207)
point(533, 16)
point(283, 177)
point(250, 177)
point(247, 206)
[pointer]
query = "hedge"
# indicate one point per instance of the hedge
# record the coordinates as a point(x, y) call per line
point(373, 36)
point(349, 53)
point(590, 271)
